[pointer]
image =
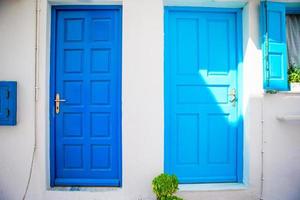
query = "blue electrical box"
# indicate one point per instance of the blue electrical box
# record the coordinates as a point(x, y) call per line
point(8, 103)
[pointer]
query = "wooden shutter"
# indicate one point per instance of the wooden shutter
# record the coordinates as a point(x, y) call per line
point(275, 63)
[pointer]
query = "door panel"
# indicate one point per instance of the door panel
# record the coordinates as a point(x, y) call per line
point(88, 78)
point(200, 76)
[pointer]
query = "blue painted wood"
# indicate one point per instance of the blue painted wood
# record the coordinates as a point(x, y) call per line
point(86, 72)
point(292, 8)
point(8, 103)
point(274, 47)
point(52, 96)
point(203, 130)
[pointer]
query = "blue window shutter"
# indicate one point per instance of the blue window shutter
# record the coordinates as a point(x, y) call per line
point(8, 103)
point(274, 47)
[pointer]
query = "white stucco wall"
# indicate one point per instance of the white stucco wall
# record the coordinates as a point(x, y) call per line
point(143, 123)
point(17, 63)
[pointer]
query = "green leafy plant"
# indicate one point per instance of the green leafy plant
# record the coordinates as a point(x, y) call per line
point(164, 186)
point(294, 73)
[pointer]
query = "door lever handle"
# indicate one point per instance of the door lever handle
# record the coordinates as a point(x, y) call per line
point(57, 103)
point(233, 96)
point(60, 100)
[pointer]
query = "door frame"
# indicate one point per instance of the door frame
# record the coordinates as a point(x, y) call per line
point(52, 82)
point(239, 53)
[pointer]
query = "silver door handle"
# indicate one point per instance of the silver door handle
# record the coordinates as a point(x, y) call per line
point(233, 96)
point(60, 100)
point(57, 103)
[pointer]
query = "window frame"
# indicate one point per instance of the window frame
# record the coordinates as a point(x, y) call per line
point(291, 8)
point(274, 85)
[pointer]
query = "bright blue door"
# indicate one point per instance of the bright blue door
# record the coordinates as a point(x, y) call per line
point(87, 78)
point(201, 95)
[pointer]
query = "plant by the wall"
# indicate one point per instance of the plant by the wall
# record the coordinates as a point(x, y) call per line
point(164, 186)
point(294, 73)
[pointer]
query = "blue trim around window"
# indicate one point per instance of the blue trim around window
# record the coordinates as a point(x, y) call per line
point(292, 8)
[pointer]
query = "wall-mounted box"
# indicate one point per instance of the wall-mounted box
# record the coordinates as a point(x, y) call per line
point(8, 103)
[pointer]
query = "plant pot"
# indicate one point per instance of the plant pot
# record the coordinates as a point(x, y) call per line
point(295, 87)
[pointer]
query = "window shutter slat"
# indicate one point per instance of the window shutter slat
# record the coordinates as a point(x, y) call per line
point(274, 47)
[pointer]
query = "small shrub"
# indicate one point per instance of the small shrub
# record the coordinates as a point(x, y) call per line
point(164, 186)
point(294, 73)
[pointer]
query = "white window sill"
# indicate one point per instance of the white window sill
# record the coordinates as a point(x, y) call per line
point(285, 92)
point(289, 92)
point(212, 187)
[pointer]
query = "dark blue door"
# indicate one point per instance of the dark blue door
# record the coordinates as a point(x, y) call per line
point(87, 96)
point(202, 141)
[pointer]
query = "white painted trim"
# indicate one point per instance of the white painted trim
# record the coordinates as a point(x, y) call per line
point(46, 45)
point(206, 3)
point(46, 27)
point(246, 143)
point(85, 2)
point(285, 1)
point(212, 187)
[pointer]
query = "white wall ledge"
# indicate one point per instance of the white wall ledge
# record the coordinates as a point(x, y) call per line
point(284, 93)
point(289, 117)
point(212, 187)
point(288, 92)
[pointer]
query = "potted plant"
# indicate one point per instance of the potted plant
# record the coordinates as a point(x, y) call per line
point(294, 77)
point(164, 186)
